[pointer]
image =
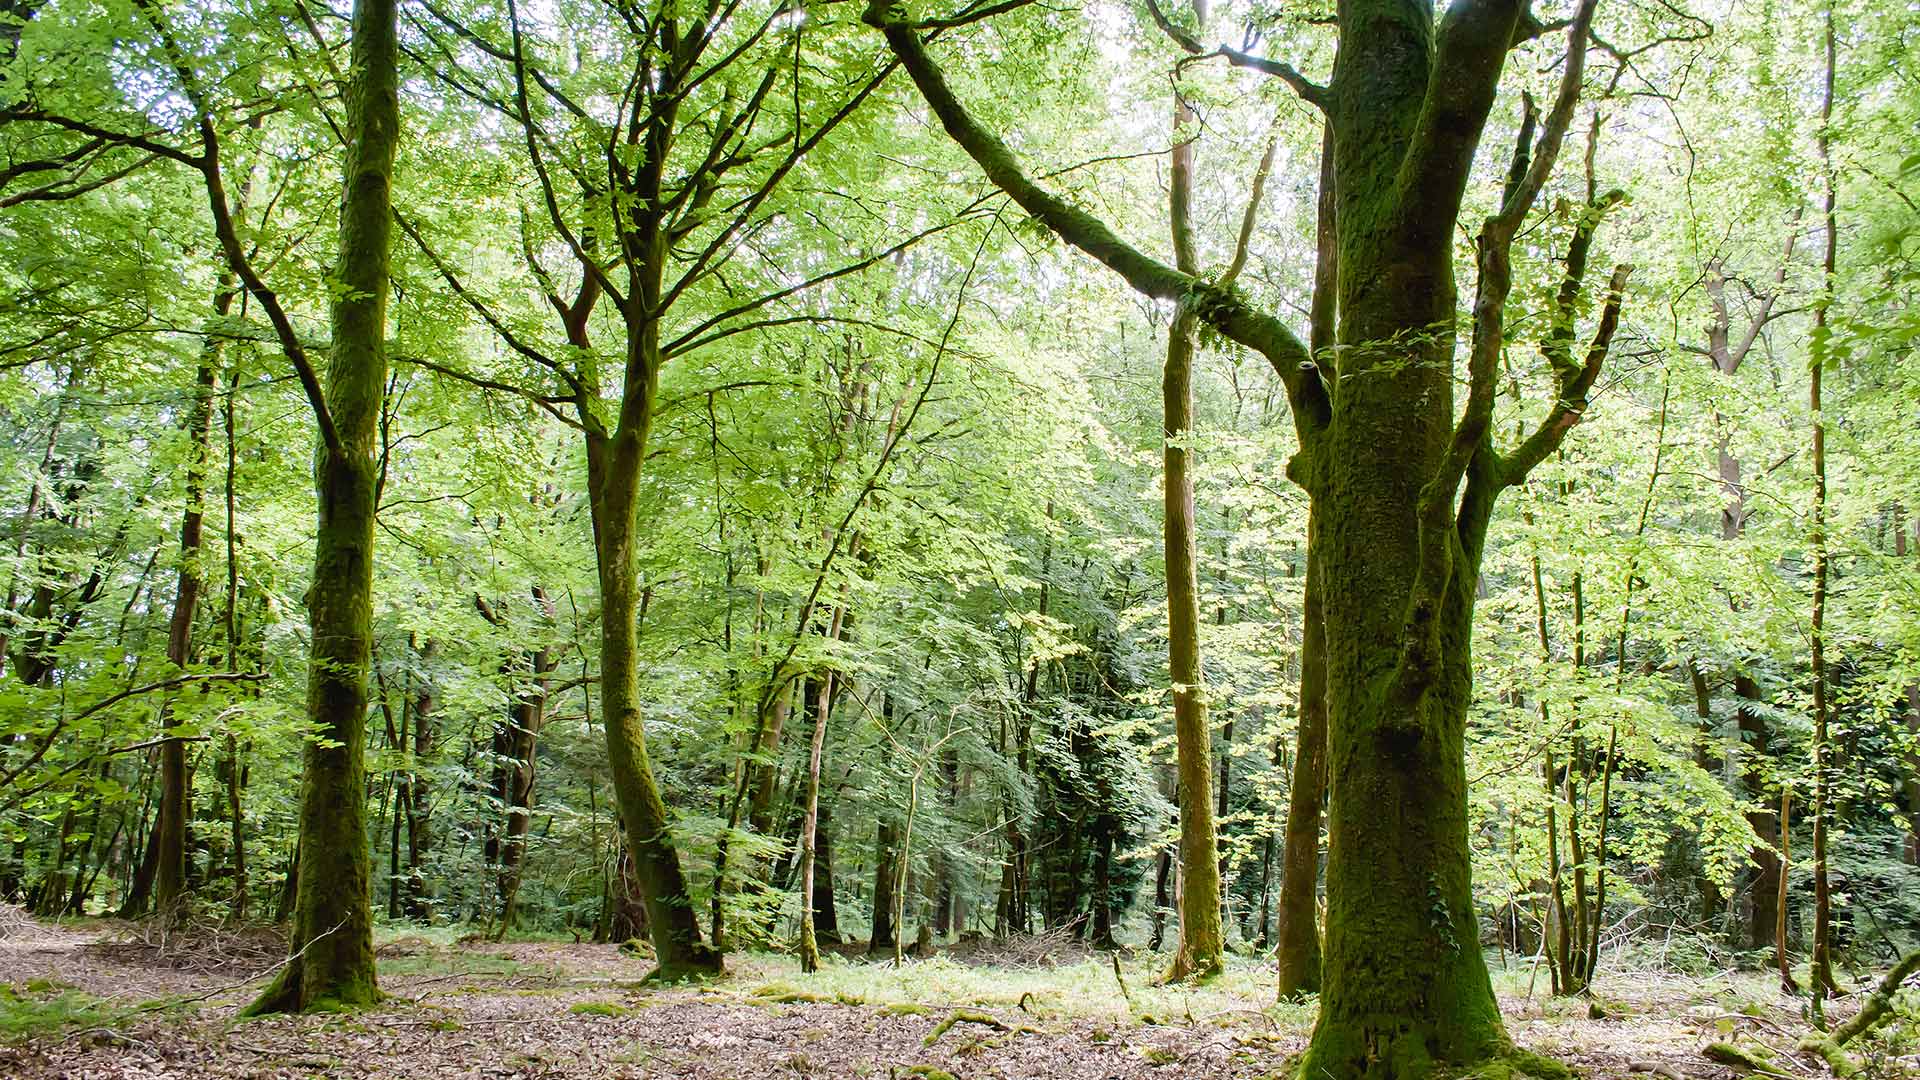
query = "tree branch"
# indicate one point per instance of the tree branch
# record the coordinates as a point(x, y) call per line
point(1220, 307)
point(1311, 92)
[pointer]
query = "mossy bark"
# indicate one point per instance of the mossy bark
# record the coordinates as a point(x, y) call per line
point(1199, 954)
point(613, 473)
point(1403, 495)
point(332, 965)
point(1297, 954)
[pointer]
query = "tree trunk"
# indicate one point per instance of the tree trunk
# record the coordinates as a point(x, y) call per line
point(884, 871)
point(810, 822)
point(1297, 958)
point(1199, 954)
point(419, 904)
point(1820, 979)
point(1764, 891)
point(170, 880)
point(518, 743)
point(1298, 954)
point(613, 468)
point(332, 964)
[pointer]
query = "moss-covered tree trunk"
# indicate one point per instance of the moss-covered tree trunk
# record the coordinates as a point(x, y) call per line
point(1403, 487)
point(332, 937)
point(1297, 953)
point(1201, 941)
point(613, 474)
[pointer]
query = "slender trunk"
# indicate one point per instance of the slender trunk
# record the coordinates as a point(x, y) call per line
point(1162, 898)
point(526, 718)
point(236, 771)
point(175, 808)
point(885, 871)
point(332, 963)
point(419, 784)
point(767, 773)
point(1201, 940)
point(1782, 959)
point(809, 828)
point(1298, 955)
point(1820, 980)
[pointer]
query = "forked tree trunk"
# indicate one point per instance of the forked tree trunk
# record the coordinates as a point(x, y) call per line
point(1404, 493)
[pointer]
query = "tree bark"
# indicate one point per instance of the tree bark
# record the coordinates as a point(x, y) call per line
point(885, 870)
point(810, 822)
point(1199, 954)
point(1298, 956)
point(170, 879)
point(1821, 977)
point(332, 964)
point(613, 472)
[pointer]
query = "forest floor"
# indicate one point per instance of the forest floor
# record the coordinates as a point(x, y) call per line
point(109, 1000)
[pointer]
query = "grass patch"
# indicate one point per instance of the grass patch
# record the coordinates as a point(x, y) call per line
point(1083, 990)
point(42, 1007)
point(451, 962)
point(598, 1008)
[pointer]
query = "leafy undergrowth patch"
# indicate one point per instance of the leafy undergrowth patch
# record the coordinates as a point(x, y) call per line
point(461, 1007)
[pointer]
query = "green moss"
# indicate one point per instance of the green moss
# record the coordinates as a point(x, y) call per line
point(35, 1009)
point(929, 1072)
point(598, 1008)
point(904, 1008)
point(1749, 1058)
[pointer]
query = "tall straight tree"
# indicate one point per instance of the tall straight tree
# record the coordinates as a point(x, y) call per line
point(1199, 952)
point(332, 940)
point(333, 906)
point(331, 965)
point(1404, 484)
point(1820, 981)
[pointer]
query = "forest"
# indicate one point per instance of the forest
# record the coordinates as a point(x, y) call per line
point(1337, 539)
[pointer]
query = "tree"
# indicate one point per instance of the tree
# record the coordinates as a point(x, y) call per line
point(332, 962)
point(1405, 491)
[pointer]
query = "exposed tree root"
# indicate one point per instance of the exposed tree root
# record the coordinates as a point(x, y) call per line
point(1873, 1012)
point(972, 1016)
point(1753, 1059)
